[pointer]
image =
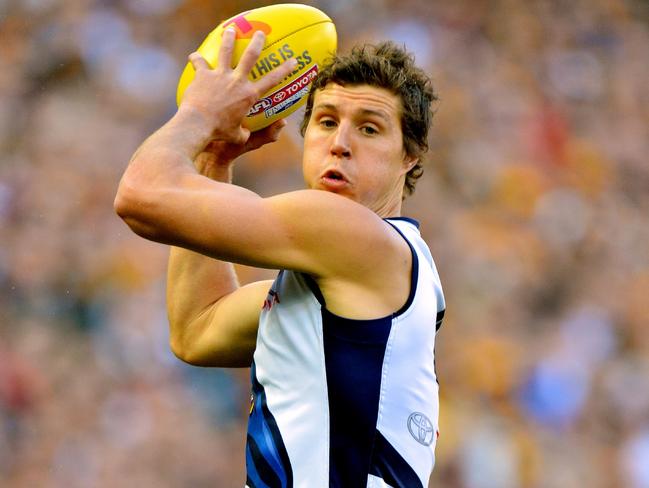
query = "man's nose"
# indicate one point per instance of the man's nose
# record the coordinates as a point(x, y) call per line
point(340, 145)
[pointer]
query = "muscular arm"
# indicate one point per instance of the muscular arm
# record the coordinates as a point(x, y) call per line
point(221, 332)
point(163, 198)
point(213, 322)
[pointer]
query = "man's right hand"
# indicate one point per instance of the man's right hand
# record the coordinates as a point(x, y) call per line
point(223, 96)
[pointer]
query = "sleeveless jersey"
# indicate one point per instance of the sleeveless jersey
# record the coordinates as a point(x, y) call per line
point(346, 403)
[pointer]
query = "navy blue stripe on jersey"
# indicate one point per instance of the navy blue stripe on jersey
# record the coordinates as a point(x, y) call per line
point(267, 461)
point(438, 323)
point(354, 351)
point(263, 474)
point(315, 289)
point(439, 319)
point(250, 483)
point(388, 464)
point(405, 219)
point(372, 331)
point(252, 477)
point(414, 273)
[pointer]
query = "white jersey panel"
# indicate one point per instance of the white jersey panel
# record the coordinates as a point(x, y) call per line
point(409, 408)
point(289, 362)
point(376, 482)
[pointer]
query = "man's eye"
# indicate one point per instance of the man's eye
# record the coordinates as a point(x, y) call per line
point(369, 130)
point(329, 123)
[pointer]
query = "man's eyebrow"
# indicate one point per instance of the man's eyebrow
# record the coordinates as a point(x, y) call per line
point(325, 106)
point(365, 111)
point(376, 113)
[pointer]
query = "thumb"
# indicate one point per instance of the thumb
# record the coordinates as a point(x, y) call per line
point(242, 136)
point(276, 128)
point(266, 135)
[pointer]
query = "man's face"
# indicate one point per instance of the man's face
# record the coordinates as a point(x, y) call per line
point(353, 146)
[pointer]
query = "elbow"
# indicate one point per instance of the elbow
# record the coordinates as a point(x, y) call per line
point(217, 356)
point(127, 200)
point(179, 351)
point(135, 209)
point(180, 344)
point(185, 354)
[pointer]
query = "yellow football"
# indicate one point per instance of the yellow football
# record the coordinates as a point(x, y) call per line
point(292, 31)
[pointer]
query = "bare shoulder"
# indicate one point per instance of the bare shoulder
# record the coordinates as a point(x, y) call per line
point(345, 238)
point(363, 263)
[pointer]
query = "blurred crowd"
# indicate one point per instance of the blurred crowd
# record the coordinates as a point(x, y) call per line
point(535, 203)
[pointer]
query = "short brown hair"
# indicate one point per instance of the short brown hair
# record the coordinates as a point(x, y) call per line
point(386, 65)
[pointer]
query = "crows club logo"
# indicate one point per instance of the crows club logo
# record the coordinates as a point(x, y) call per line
point(271, 300)
point(245, 28)
point(421, 428)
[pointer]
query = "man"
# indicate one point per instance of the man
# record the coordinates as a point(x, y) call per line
point(341, 344)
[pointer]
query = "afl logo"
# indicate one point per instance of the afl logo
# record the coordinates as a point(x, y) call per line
point(421, 428)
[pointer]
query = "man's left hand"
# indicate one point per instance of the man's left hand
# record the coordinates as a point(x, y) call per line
point(216, 159)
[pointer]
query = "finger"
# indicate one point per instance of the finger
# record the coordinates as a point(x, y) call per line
point(276, 75)
point(275, 129)
point(227, 47)
point(266, 135)
point(198, 61)
point(242, 136)
point(251, 54)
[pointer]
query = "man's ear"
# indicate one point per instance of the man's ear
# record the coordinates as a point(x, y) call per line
point(409, 162)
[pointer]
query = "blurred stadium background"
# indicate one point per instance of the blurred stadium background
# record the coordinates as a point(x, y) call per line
point(535, 203)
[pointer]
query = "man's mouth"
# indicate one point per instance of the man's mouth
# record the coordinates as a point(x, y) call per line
point(334, 175)
point(334, 180)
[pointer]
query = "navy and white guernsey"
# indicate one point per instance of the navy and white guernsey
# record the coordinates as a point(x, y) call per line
point(346, 403)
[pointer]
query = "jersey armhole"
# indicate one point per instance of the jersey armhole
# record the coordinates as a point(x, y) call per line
point(414, 279)
point(414, 272)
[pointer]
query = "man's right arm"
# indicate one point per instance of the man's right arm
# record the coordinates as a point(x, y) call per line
point(213, 321)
